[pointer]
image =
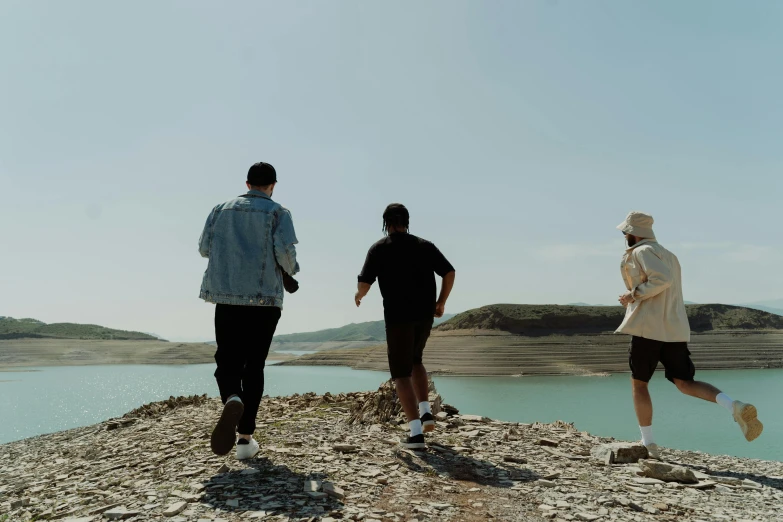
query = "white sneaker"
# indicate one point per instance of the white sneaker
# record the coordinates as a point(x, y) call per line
point(247, 451)
point(654, 451)
point(746, 416)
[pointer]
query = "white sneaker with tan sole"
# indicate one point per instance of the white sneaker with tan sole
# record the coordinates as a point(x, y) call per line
point(654, 451)
point(747, 417)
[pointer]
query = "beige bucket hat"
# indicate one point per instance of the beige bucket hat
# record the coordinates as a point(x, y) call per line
point(638, 224)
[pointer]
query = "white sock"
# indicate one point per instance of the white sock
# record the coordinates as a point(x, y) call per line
point(725, 401)
point(424, 407)
point(415, 426)
point(647, 435)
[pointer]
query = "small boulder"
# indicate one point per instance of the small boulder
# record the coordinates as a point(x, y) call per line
point(451, 410)
point(624, 453)
point(667, 472)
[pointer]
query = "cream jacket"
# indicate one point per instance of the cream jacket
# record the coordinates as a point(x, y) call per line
point(653, 275)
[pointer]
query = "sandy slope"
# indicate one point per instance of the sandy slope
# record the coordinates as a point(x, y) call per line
point(476, 352)
point(76, 352)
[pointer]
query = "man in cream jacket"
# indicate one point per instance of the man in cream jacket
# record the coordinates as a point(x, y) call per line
point(656, 319)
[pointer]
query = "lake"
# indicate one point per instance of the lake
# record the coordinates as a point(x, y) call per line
point(54, 399)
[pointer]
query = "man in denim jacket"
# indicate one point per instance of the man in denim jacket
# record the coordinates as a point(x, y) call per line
point(250, 243)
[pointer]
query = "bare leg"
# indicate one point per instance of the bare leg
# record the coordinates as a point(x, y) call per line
point(420, 383)
point(700, 390)
point(642, 403)
point(407, 397)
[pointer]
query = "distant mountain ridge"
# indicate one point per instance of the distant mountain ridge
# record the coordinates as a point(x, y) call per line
point(557, 319)
point(773, 307)
point(372, 331)
point(27, 328)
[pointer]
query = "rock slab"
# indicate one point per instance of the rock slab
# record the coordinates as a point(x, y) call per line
point(333, 490)
point(175, 509)
point(667, 472)
point(624, 453)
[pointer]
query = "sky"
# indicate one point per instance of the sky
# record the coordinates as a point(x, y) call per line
point(519, 134)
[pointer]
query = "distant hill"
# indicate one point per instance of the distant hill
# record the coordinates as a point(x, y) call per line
point(11, 328)
point(588, 304)
point(557, 319)
point(371, 332)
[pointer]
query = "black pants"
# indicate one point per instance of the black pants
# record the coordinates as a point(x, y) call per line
point(244, 335)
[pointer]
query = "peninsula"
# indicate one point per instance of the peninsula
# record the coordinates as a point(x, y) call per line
point(516, 340)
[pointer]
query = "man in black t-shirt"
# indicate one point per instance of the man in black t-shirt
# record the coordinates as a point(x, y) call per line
point(405, 267)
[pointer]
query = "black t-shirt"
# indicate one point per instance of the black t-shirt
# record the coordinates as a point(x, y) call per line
point(405, 267)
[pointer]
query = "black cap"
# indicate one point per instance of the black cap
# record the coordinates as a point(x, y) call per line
point(261, 174)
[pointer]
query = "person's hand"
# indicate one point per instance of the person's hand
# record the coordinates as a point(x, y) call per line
point(358, 299)
point(626, 299)
point(440, 309)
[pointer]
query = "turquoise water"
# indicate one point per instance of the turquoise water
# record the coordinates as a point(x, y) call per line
point(53, 399)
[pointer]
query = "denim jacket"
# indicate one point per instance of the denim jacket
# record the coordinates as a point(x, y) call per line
point(248, 240)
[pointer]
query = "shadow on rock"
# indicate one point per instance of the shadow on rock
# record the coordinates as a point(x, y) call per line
point(743, 479)
point(465, 468)
point(267, 488)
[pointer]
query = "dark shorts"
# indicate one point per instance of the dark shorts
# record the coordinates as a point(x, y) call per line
point(405, 346)
point(675, 357)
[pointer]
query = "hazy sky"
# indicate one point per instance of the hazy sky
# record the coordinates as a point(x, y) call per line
point(518, 133)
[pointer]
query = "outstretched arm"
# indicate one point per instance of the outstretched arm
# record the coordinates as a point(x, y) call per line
point(367, 277)
point(445, 291)
point(361, 292)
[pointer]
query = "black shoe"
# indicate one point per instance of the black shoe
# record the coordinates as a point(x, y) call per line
point(224, 434)
point(414, 443)
point(428, 422)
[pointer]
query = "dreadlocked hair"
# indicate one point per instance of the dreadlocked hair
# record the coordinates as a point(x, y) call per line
point(396, 215)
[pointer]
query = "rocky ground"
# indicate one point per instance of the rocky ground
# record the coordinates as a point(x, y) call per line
point(328, 458)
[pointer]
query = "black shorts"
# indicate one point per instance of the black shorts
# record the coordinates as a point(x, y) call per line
point(405, 346)
point(646, 353)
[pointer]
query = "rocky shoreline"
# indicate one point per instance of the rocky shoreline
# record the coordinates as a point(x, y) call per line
point(328, 458)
